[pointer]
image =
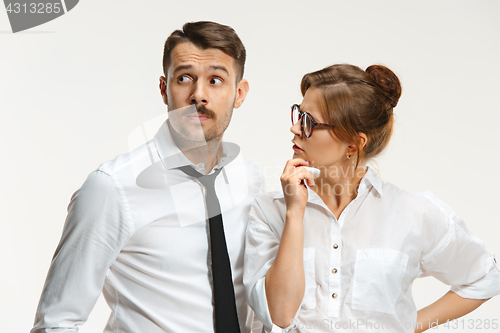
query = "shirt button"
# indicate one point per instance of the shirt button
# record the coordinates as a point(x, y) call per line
point(334, 295)
point(335, 246)
point(334, 271)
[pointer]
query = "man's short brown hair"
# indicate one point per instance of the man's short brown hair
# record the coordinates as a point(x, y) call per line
point(205, 35)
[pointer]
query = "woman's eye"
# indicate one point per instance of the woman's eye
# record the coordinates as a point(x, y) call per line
point(216, 81)
point(183, 79)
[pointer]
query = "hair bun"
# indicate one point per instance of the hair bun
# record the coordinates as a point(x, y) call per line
point(387, 81)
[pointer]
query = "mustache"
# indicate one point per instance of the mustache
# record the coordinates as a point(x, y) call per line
point(201, 109)
point(206, 111)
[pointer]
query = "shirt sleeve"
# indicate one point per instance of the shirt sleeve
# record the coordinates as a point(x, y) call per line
point(261, 246)
point(455, 256)
point(95, 230)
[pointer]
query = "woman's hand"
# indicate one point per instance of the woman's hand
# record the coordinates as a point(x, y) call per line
point(293, 183)
point(285, 280)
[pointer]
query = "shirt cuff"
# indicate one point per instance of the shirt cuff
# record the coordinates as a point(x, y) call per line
point(262, 310)
point(484, 288)
point(277, 329)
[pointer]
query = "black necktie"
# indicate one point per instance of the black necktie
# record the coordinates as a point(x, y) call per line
point(226, 318)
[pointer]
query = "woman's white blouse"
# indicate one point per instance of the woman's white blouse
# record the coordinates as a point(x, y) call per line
point(359, 269)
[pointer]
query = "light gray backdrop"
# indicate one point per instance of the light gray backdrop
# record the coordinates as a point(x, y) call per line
point(74, 89)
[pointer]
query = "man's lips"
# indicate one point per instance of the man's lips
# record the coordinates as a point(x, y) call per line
point(198, 117)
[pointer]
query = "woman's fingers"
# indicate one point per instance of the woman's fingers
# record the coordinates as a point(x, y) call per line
point(293, 163)
point(292, 168)
point(307, 177)
point(295, 174)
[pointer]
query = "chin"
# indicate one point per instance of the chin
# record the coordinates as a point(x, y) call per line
point(300, 155)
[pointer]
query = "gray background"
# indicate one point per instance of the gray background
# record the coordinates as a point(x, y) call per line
point(74, 89)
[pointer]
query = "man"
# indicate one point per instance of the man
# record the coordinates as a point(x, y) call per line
point(143, 227)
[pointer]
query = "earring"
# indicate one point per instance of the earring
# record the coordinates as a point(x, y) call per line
point(348, 156)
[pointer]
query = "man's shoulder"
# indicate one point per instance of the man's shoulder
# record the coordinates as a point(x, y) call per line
point(251, 166)
point(132, 163)
point(242, 169)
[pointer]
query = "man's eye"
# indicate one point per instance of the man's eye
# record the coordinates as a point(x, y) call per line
point(216, 80)
point(184, 79)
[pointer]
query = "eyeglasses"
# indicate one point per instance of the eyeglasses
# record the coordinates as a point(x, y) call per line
point(307, 122)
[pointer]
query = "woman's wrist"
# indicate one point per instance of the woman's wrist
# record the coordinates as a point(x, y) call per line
point(295, 214)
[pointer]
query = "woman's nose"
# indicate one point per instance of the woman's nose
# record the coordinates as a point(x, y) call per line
point(296, 129)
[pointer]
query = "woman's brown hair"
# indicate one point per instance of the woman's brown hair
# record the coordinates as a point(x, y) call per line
point(356, 101)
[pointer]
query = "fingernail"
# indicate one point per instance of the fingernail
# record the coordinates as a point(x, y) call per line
point(308, 162)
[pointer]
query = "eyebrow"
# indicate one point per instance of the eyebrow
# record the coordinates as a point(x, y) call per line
point(181, 68)
point(300, 109)
point(212, 67)
point(216, 67)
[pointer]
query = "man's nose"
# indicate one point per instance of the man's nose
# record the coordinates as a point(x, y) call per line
point(199, 94)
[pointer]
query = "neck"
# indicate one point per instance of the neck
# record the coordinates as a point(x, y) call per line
point(338, 185)
point(197, 151)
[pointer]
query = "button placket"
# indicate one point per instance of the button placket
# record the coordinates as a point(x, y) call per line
point(335, 262)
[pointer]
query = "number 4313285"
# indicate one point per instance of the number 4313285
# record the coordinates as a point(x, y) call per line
point(34, 8)
point(472, 324)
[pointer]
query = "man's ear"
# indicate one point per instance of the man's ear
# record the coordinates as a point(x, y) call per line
point(163, 89)
point(241, 92)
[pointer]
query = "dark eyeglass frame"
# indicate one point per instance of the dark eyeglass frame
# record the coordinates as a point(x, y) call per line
point(314, 123)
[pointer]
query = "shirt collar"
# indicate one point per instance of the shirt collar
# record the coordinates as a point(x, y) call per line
point(371, 178)
point(172, 157)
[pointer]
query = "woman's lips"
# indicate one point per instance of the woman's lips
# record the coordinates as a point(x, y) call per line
point(297, 148)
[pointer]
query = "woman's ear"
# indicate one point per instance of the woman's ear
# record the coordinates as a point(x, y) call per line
point(363, 139)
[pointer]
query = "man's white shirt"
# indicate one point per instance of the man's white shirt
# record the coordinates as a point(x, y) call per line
point(137, 231)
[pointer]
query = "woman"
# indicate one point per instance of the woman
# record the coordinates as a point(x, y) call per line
point(342, 252)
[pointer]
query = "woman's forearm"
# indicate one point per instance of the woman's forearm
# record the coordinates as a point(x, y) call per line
point(285, 282)
point(449, 307)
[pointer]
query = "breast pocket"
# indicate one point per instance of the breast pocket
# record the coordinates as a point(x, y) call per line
point(309, 301)
point(377, 279)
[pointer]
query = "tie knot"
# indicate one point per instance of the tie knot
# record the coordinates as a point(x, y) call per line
point(207, 180)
